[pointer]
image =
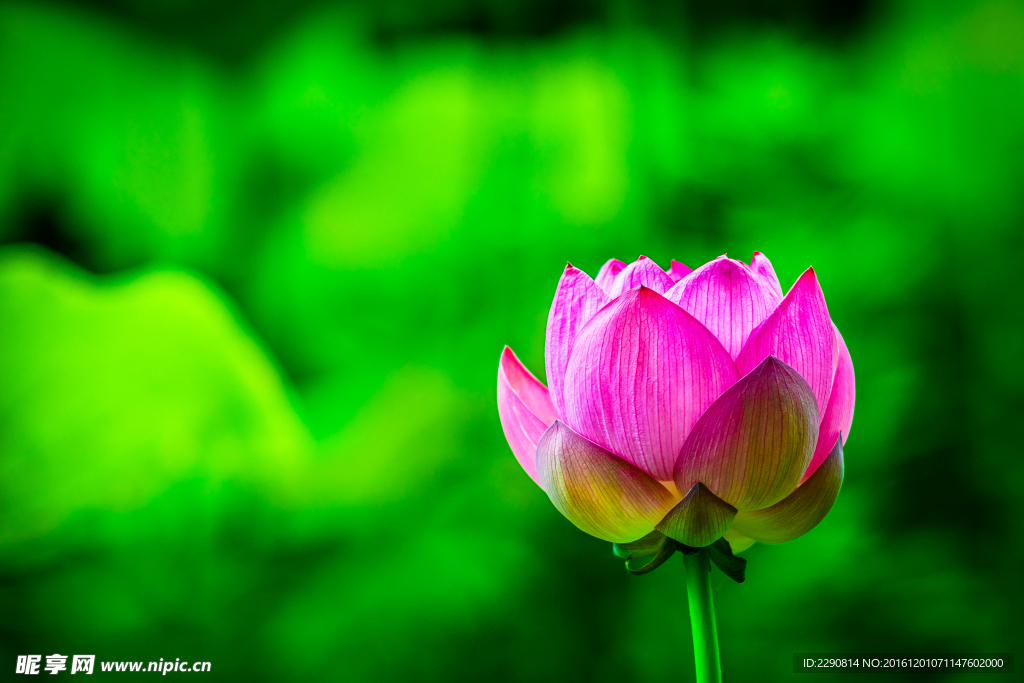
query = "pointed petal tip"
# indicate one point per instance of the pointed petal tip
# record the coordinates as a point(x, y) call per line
point(737, 266)
point(530, 390)
point(644, 271)
point(699, 519)
point(643, 291)
point(508, 356)
point(753, 444)
point(800, 332)
point(761, 267)
point(728, 298)
point(577, 298)
point(774, 364)
point(635, 294)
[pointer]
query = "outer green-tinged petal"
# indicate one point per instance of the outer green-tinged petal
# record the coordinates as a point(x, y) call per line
point(737, 541)
point(754, 443)
point(596, 490)
point(801, 511)
point(699, 519)
point(524, 408)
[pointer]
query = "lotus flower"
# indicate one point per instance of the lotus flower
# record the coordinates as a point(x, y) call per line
point(693, 405)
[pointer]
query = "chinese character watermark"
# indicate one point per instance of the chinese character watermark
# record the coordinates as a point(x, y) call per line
point(55, 663)
point(82, 664)
point(28, 664)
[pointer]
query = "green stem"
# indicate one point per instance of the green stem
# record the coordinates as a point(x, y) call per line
point(702, 617)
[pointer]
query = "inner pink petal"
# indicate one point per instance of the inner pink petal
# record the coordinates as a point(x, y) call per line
point(763, 270)
point(727, 299)
point(606, 276)
point(640, 374)
point(641, 273)
point(678, 271)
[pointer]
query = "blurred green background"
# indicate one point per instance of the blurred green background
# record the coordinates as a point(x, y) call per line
point(259, 261)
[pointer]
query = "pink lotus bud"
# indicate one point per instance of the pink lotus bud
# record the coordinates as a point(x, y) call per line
point(695, 404)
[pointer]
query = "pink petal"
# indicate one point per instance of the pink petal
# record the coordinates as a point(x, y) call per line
point(641, 273)
point(679, 270)
point(752, 445)
point(597, 491)
point(727, 299)
point(799, 333)
point(641, 372)
point(577, 299)
point(762, 269)
point(606, 276)
point(525, 410)
point(839, 414)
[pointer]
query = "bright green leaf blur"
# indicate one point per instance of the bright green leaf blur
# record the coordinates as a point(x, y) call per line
point(258, 264)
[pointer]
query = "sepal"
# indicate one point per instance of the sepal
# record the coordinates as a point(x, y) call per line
point(648, 546)
point(651, 551)
point(646, 554)
point(638, 566)
point(699, 519)
point(733, 567)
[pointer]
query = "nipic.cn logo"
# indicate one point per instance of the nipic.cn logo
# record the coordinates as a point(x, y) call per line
point(55, 663)
point(32, 665)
